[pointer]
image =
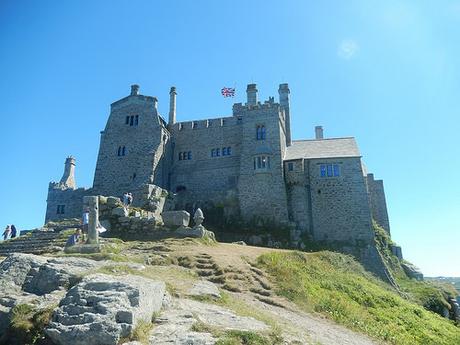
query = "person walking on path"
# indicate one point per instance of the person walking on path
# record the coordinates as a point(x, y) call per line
point(14, 231)
point(7, 232)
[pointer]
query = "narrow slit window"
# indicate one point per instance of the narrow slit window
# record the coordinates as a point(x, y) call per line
point(136, 120)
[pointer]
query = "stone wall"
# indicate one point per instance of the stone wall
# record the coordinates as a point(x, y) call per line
point(204, 177)
point(71, 199)
point(145, 140)
point(378, 202)
point(262, 193)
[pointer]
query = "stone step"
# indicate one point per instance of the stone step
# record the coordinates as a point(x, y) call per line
point(37, 242)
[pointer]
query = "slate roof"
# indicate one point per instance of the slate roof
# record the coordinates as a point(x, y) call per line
point(324, 148)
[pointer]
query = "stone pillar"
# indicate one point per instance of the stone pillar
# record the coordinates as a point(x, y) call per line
point(68, 178)
point(172, 106)
point(92, 202)
point(251, 92)
point(319, 133)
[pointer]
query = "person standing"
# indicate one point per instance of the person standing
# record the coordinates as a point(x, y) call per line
point(14, 231)
point(7, 232)
point(85, 222)
point(125, 199)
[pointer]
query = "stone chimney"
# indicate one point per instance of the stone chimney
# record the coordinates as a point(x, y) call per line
point(284, 92)
point(68, 178)
point(251, 92)
point(134, 90)
point(319, 133)
point(172, 106)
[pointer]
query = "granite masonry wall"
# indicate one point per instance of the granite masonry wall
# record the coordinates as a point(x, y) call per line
point(377, 202)
point(330, 208)
point(64, 202)
point(133, 146)
point(262, 192)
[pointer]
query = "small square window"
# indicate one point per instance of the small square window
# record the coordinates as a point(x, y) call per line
point(329, 170)
point(291, 166)
point(224, 151)
point(189, 155)
point(229, 151)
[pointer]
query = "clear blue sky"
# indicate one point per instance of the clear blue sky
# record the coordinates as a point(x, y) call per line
point(386, 72)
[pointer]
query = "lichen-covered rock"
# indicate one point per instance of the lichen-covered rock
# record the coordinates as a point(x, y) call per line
point(175, 219)
point(174, 326)
point(204, 288)
point(102, 309)
point(120, 212)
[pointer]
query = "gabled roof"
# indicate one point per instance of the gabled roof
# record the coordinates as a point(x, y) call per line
point(323, 148)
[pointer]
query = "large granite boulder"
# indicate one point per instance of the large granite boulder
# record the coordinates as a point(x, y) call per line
point(102, 309)
point(176, 219)
point(37, 280)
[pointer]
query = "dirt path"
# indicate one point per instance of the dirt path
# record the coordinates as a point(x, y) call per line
point(230, 266)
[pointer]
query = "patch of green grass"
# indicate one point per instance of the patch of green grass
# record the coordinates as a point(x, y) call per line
point(140, 333)
point(337, 286)
point(429, 294)
point(234, 337)
point(27, 324)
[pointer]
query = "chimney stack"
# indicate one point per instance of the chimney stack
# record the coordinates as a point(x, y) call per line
point(134, 90)
point(319, 133)
point(68, 178)
point(172, 106)
point(251, 92)
point(284, 92)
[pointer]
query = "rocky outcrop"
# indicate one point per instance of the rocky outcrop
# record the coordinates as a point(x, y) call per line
point(102, 309)
point(36, 280)
point(174, 326)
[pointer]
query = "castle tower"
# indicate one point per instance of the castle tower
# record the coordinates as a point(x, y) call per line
point(68, 178)
point(284, 92)
point(172, 106)
point(251, 92)
point(132, 146)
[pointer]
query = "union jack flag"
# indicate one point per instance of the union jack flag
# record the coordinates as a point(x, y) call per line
point(228, 91)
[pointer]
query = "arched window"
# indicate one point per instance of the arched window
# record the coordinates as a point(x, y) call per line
point(123, 151)
point(261, 132)
point(119, 151)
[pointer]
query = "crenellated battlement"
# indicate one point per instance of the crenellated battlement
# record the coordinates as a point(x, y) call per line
point(206, 124)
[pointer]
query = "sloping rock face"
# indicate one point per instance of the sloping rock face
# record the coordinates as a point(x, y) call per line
point(174, 326)
point(36, 280)
point(102, 309)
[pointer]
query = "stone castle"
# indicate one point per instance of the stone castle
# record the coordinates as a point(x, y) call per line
point(246, 164)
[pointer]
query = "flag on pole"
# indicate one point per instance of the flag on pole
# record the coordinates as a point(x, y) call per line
point(228, 91)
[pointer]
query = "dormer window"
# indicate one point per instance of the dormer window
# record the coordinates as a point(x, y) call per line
point(261, 132)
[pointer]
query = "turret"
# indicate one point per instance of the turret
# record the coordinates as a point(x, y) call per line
point(251, 92)
point(68, 178)
point(172, 106)
point(284, 92)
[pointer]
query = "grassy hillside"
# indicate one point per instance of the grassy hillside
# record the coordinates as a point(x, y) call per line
point(337, 286)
